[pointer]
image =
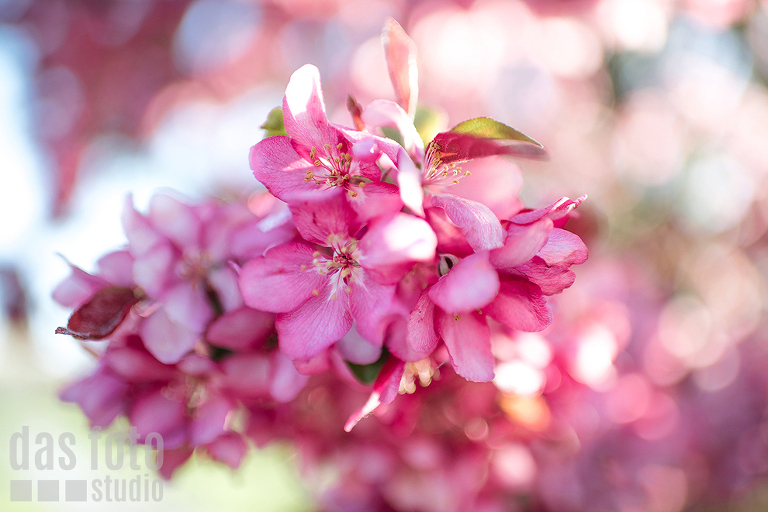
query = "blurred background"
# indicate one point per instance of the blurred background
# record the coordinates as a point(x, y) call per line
point(657, 109)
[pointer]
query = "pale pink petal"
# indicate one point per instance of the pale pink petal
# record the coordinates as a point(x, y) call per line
point(78, 288)
point(304, 110)
point(370, 305)
point(400, 51)
point(188, 305)
point(153, 269)
point(100, 396)
point(277, 165)
point(140, 233)
point(564, 248)
point(555, 211)
point(383, 113)
point(314, 366)
point(471, 284)
point(286, 382)
point(355, 349)
point(224, 281)
point(247, 374)
point(210, 420)
point(281, 280)
point(229, 448)
point(316, 220)
point(156, 412)
point(520, 305)
point(253, 239)
point(478, 223)
point(242, 329)
point(522, 243)
point(314, 326)
point(198, 365)
point(450, 239)
point(468, 340)
point(175, 220)
point(384, 391)
point(166, 340)
point(409, 181)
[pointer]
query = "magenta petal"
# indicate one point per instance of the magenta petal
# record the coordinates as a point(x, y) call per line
point(188, 305)
point(100, 396)
point(281, 280)
point(551, 279)
point(476, 221)
point(564, 248)
point(385, 390)
point(468, 340)
point(277, 165)
point(229, 448)
point(522, 244)
point(166, 340)
point(421, 336)
point(173, 460)
point(304, 110)
point(471, 284)
point(136, 365)
point(210, 420)
point(155, 412)
point(241, 329)
point(247, 374)
point(285, 382)
point(314, 326)
point(520, 305)
point(450, 239)
point(140, 233)
point(555, 211)
point(175, 220)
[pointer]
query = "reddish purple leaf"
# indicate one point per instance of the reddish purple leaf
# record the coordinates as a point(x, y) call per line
point(100, 316)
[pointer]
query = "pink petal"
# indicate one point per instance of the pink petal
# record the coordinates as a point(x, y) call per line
point(317, 220)
point(314, 326)
point(188, 305)
point(400, 51)
point(242, 329)
point(522, 243)
point(468, 340)
point(136, 365)
point(229, 448)
point(250, 240)
point(520, 305)
point(564, 248)
point(276, 282)
point(555, 211)
point(78, 288)
point(495, 182)
point(198, 365)
point(370, 305)
point(140, 233)
point(450, 239)
point(155, 412)
point(421, 336)
point(375, 199)
point(471, 284)
point(409, 181)
point(457, 147)
point(100, 396)
point(551, 279)
point(277, 165)
point(166, 340)
point(117, 268)
point(304, 110)
point(314, 366)
point(355, 349)
point(286, 382)
point(153, 269)
point(393, 244)
point(384, 390)
point(247, 374)
point(476, 221)
point(383, 113)
point(210, 420)
point(175, 220)
point(173, 460)
point(224, 281)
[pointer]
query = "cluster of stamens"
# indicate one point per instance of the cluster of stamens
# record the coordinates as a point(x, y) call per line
point(438, 173)
point(342, 267)
point(195, 268)
point(331, 171)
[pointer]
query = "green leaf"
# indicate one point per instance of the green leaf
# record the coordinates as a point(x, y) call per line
point(487, 128)
point(392, 133)
point(367, 373)
point(429, 122)
point(274, 123)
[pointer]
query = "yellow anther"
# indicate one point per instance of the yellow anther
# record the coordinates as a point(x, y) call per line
point(456, 317)
point(348, 289)
point(327, 146)
point(352, 193)
point(362, 184)
point(316, 254)
point(339, 146)
point(315, 292)
point(303, 267)
point(318, 163)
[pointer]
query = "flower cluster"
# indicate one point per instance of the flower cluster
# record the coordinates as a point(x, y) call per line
point(372, 262)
